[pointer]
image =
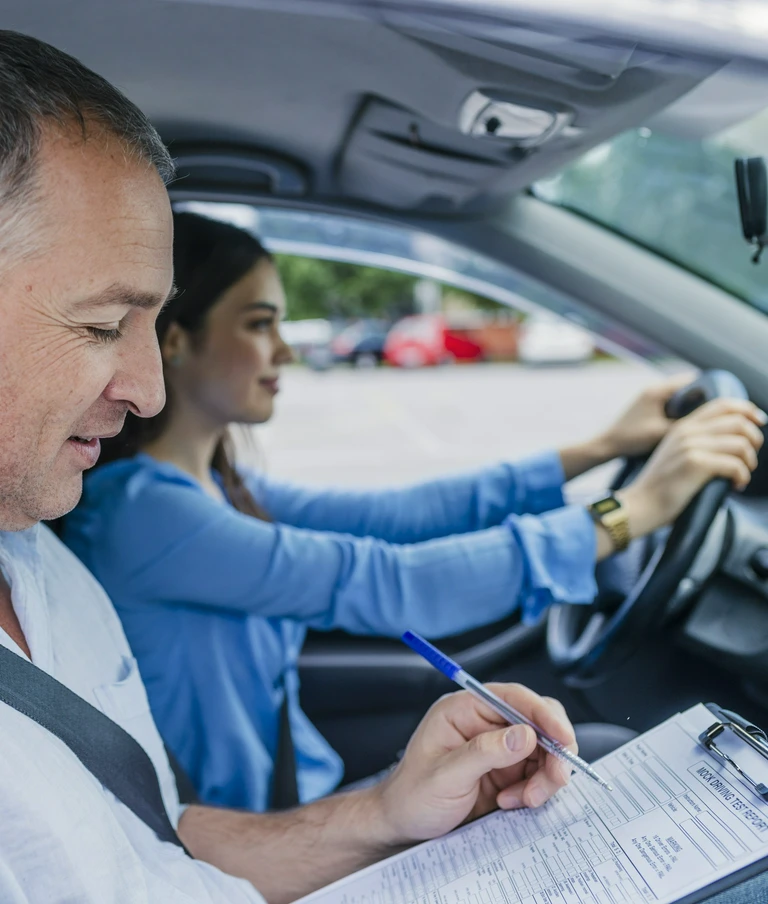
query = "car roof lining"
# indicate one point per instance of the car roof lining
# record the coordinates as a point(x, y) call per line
point(297, 87)
point(313, 90)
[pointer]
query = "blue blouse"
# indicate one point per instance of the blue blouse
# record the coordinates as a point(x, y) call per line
point(216, 604)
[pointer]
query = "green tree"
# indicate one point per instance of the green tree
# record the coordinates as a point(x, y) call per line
point(320, 288)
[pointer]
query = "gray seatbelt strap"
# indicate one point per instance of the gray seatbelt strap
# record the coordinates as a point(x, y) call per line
point(106, 750)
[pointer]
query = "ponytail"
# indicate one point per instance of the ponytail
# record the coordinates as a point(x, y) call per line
point(237, 492)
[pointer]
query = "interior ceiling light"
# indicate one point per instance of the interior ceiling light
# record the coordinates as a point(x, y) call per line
point(490, 116)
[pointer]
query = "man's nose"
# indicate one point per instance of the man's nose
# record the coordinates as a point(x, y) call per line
point(139, 379)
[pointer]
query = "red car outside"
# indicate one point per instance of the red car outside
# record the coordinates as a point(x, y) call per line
point(426, 340)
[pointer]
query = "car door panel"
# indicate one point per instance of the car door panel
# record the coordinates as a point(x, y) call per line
point(366, 695)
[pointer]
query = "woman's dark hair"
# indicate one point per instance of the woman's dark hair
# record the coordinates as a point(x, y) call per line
point(208, 258)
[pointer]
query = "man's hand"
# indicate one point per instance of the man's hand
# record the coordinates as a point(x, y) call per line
point(720, 439)
point(464, 761)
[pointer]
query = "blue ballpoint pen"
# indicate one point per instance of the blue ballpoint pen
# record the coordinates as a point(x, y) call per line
point(456, 673)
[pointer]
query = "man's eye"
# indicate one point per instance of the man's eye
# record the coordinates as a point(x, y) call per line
point(105, 335)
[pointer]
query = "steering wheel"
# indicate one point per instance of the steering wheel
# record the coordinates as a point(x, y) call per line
point(585, 656)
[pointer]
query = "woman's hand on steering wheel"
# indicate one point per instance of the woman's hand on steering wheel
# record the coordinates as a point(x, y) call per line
point(644, 424)
point(719, 439)
point(635, 433)
point(687, 481)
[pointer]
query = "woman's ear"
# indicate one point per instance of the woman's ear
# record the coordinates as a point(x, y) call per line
point(175, 346)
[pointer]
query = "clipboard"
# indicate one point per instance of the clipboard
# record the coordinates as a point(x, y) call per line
point(687, 819)
point(755, 738)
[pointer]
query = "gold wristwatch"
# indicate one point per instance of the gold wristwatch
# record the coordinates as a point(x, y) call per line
point(612, 515)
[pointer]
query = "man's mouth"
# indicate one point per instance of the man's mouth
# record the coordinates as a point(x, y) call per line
point(88, 439)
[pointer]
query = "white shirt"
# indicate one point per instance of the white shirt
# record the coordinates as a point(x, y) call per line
point(63, 836)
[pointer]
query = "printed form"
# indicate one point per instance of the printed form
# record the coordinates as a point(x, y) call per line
point(676, 821)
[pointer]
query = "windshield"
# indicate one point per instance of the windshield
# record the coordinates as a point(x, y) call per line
point(675, 196)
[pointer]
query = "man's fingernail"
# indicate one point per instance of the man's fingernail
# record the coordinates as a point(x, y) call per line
point(509, 802)
point(537, 797)
point(762, 416)
point(516, 738)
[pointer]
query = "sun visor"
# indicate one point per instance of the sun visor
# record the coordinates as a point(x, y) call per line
point(519, 104)
point(397, 158)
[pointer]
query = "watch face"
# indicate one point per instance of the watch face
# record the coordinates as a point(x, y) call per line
point(604, 506)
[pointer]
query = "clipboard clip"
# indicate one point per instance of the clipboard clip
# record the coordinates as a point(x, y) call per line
point(750, 734)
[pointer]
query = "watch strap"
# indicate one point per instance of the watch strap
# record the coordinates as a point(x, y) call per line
point(611, 515)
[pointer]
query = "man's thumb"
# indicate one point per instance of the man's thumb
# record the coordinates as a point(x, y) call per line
point(520, 739)
point(491, 750)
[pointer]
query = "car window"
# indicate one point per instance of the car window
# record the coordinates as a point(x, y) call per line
point(463, 379)
point(673, 195)
point(369, 243)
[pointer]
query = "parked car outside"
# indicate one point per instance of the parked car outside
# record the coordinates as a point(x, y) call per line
point(309, 340)
point(548, 339)
point(495, 334)
point(418, 341)
point(361, 343)
point(426, 340)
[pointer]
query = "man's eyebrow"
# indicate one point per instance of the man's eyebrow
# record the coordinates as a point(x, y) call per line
point(123, 295)
point(173, 293)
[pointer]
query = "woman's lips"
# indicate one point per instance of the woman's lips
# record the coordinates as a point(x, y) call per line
point(272, 386)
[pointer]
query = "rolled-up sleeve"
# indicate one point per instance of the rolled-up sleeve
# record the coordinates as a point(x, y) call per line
point(558, 551)
point(426, 511)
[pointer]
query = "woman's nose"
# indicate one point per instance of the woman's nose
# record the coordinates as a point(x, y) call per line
point(283, 352)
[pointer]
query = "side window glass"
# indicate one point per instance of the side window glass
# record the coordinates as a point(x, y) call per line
point(400, 379)
point(416, 357)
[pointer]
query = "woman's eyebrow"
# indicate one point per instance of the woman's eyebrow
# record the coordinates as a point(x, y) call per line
point(259, 306)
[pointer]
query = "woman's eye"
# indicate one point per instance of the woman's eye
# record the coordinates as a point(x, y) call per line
point(105, 335)
point(261, 325)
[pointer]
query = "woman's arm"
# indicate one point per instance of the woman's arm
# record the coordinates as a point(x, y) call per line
point(178, 545)
point(168, 541)
point(469, 502)
point(437, 508)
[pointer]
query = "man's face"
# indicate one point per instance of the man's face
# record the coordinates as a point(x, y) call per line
point(77, 339)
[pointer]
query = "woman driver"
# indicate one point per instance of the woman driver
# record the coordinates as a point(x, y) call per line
point(217, 571)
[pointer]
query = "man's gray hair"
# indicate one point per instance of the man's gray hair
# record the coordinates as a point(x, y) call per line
point(41, 86)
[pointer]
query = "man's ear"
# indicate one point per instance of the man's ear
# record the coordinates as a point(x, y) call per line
point(175, 346)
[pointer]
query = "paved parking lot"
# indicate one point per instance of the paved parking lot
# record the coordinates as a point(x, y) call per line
point(387, 426)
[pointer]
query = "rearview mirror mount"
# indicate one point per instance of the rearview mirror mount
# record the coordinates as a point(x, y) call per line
point(752, 189)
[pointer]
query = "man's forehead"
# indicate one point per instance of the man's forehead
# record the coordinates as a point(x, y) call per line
point(104, 228)
point(102, 187)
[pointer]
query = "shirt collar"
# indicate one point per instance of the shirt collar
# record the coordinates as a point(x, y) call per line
point(22, 564)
